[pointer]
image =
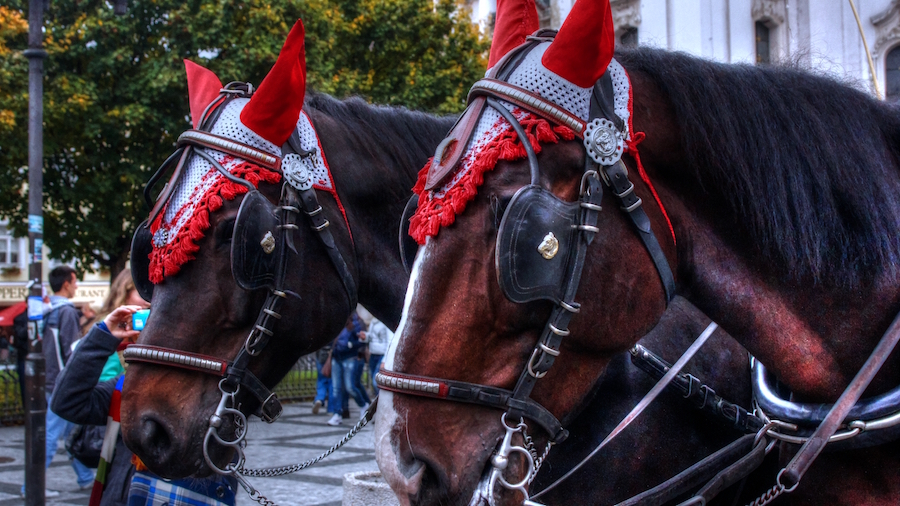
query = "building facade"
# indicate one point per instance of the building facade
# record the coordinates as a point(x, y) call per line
point(14, 273)
point(816, 34)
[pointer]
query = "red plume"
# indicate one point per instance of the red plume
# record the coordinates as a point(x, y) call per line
point(275, 107)
point(203, 88)
point(516, 19)
point(584, 45)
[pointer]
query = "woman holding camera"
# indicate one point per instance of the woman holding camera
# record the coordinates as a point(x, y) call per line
point(81, 398)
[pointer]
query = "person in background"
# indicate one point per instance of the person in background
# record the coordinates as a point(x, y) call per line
point(358, 366)
point(61, 329)
point(20, 344)
point(87, 317)
point(121, 292)
point(5, 341)
point(324, 390)
point(378, 337)
point(343, 357)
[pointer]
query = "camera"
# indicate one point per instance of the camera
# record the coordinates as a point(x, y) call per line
point(139, 319)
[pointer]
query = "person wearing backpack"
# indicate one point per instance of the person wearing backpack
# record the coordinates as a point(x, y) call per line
point(19, 341)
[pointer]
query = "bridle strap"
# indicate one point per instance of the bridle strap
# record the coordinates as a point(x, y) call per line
point(230, 147)
point(527, 100)
point(471, 393)
point(198, 363)
point(165, 356)
point(616, 176)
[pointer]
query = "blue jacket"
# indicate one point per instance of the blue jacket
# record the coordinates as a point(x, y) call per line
point(347, 343)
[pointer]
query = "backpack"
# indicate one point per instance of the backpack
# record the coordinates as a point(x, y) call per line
point(20, 332)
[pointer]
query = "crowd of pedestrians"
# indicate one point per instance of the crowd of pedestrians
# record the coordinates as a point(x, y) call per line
point(340, 367)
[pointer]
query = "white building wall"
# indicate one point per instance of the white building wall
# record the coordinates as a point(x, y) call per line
point(820, 34)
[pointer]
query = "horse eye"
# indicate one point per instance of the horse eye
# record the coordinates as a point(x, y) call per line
point(498, 208)
point(224, 232)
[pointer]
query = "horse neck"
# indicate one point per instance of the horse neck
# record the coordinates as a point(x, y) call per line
point(374, 161)
point(815, 337)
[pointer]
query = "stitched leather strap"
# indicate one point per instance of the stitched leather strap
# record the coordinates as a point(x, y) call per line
point(460, 391)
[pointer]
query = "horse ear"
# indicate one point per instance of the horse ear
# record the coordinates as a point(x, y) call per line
point(515, 20)
point(584, 45)
point(203, 88)
point(275, 107)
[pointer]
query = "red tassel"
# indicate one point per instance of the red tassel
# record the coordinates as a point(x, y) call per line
point(434, 213)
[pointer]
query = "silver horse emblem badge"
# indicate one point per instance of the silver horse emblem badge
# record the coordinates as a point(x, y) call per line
point(268, 243)
point(549, 246)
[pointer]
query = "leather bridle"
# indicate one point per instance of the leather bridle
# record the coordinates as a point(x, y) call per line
point(295, 198)
point(602, 166)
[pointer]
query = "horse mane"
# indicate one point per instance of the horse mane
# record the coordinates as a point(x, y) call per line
point(400, 137)
point(807, 165)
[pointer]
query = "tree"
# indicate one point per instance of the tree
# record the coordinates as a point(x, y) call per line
point(116, 98)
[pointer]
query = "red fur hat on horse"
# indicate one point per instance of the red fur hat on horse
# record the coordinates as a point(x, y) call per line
point(275, 107)
point(516, 20)
point(203, 88)
point(584, 45)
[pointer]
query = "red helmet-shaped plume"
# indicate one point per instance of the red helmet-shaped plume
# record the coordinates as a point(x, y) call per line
point(584, 45)
point(275, 107)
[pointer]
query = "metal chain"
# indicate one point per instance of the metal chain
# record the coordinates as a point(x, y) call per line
point(532, 449)
point(769, 495)
point(281, 471)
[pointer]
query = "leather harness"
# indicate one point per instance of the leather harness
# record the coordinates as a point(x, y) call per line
point(236, 374)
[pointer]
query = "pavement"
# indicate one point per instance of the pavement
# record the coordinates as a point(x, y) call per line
point(295, 437)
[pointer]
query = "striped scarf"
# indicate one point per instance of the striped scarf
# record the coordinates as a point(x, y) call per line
point(109, 444)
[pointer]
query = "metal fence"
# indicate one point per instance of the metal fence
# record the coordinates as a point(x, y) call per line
point(297, 386)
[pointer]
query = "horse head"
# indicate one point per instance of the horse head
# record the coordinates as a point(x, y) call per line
point(244, 271)
point(494, 293)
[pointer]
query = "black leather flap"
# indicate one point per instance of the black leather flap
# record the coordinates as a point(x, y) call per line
point(141, 247)
point(408, 246)
point(534, 243)
point(256, 243)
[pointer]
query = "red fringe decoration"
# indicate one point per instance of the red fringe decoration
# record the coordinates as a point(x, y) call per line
point(631, 148)
point(434, 213)
point(167, 261)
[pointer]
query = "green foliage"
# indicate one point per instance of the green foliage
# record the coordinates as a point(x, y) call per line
point(116, 98)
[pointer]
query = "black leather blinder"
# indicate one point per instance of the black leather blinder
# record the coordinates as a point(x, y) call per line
point(534, 245)
point(256, 243)
point(408, 246)
point(141, 247)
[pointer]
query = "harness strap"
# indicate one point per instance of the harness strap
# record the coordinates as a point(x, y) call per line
point(471, 393)
point(616, 176)
point(694, 391)
point(529, 101)
point(642, 405)
point(732, 474)
point(695, 475)
point(309, 202)
point(228, 146)
point(270, 408)
point(793, 472)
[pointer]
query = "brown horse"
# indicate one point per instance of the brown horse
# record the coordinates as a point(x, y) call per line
point(773, 195)
point(373, 154)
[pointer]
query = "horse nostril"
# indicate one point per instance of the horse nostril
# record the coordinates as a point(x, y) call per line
point(155, 438)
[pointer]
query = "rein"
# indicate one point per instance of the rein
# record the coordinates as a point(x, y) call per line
point(297, 195)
